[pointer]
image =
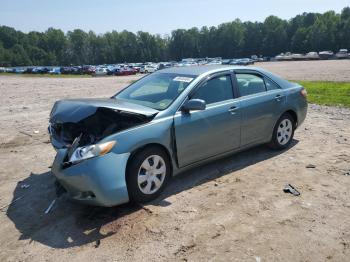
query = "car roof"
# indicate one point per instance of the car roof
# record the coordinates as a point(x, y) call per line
point(199, 70)
point(209, 69)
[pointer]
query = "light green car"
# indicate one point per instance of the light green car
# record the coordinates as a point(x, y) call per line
point(111, 151)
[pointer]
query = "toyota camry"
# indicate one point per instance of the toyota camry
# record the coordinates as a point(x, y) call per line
point(126, 148)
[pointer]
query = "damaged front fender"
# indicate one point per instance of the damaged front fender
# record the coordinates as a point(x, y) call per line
point(93, 119)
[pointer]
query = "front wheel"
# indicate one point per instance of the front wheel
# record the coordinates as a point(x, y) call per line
point(283, 132)
point(147, 174)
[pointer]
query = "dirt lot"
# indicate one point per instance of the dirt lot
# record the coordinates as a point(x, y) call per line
point(329, 70)
point(229, 210)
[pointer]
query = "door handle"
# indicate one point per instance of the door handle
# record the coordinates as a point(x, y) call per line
point(232, 109)
point(278, 98)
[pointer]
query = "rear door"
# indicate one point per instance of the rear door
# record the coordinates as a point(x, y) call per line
point(262, 102)
point(203, 134)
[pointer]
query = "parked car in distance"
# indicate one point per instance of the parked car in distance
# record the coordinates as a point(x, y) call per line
point(123, 71)
point(113, 150)
point(148, 69)
point(73, 70)
point(55, 71)
point(242, 61)
point(17, 70)
point(100, 71)
point(89, 70)
point(284, 57)
point(312, 56)
point(326, 54)
point(298, 57)
point(342, 54)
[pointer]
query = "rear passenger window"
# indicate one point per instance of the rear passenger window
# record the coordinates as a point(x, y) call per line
point(271, 85)
point(249, 84)
point(215, 90)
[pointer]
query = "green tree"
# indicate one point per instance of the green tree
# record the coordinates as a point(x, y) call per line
point(19, 56)
point(303, 33)
point(323, 33)
point(275, 36)
point(78, 47)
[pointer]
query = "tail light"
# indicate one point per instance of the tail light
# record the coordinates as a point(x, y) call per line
point(303, 92)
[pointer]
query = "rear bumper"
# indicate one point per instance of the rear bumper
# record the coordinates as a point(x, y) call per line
point(96, 181)
point(301, 113)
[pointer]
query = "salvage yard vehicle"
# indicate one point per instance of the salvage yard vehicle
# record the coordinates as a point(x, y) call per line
point(124, 71)
point(342, 54)
point(100, 71)
point(148, 69)
point(312, 56)
point(326, 54)
point(125, 148)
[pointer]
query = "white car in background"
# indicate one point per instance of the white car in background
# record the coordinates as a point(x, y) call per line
point(343, 53)
point(148, 69)
point(101, 71)
point(312, 56)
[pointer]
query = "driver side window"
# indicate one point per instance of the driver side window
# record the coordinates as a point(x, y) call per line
point(215, 90)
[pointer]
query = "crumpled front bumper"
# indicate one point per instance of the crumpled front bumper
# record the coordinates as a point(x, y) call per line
point(96, 181)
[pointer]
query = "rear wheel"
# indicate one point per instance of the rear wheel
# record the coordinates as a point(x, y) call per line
point(147, 174)
point(283, 132)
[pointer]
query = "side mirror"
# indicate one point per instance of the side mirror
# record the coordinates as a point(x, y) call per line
point(194, 104)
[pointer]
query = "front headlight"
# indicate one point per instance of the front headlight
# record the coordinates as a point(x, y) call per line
point(86, 152)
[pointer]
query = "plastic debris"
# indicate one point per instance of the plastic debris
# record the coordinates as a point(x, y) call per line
point(25, 133)
point(50, 206)
point(347, 174)
point(310, 166)
point(98, 243)
point(290, 189)
point(36, 131)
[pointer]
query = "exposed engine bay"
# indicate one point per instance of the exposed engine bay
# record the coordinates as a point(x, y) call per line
point(90, 122)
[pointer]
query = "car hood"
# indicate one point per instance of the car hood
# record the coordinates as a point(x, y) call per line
point(74, 110)
point(94, 119)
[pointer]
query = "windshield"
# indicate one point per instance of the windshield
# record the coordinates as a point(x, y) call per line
point(157, 90)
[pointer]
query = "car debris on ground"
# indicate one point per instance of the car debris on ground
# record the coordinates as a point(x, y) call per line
point(98, 243)
point(50, 206)
point(310, 166)
point(25, 186)
point(290, 189)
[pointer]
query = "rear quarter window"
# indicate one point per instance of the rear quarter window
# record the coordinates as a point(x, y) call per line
point(249, 84)
point(271, 85)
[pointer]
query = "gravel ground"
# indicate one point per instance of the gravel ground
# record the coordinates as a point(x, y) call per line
point(326, 70)
point(233, 209)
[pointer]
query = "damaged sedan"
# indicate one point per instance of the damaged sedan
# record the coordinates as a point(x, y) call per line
point(127, 147)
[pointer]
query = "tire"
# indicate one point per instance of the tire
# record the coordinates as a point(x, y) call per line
point(283, 132)
point(145, 181)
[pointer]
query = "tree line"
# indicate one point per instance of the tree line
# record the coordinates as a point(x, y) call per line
point(301, 34)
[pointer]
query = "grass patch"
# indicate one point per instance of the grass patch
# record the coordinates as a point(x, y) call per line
point(327, 93)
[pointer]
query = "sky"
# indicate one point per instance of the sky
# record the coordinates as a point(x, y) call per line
point(154, 16)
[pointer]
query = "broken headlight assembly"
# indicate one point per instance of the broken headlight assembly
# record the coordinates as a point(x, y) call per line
point(86, 152)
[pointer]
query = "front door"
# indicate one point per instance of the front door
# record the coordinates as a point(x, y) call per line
point(202, 134)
